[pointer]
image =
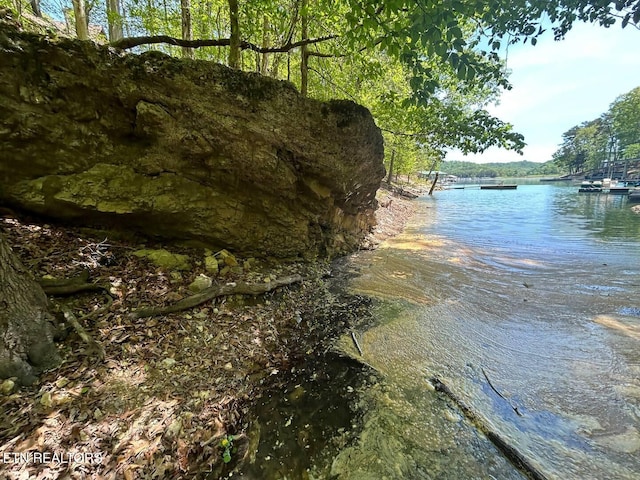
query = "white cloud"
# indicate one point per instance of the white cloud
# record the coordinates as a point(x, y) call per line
point(557, 85)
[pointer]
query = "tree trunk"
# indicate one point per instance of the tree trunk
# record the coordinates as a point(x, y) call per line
point(288, 66)
point(431, 168)
point(304, 61)
point(234, 47)
point(393, 154)
point(35, 6)
point(26, 326)
point(82, 24)
point(433, 185)
point(114, 18)
point(264, 64)
point(187, 32)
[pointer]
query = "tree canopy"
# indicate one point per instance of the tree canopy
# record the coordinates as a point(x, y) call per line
point(426, 69)
point(612, 137)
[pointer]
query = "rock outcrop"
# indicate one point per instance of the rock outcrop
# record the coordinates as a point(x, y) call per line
point(182, 149)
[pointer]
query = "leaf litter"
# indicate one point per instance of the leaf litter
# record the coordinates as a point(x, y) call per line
point(170, 387)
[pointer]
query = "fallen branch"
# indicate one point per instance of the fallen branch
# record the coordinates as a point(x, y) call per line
point(131, 42)
point(405, 193)
point(501, 444)
point(240, 288)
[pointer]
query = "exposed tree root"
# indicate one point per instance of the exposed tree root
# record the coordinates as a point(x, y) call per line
point(69, 286)
point(105, 308)
point(82, 277)
point(73, 289)
point(241, 288)
point(501, 444)
point(94, 347)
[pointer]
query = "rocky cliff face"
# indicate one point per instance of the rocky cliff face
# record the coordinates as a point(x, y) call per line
point(179, 149)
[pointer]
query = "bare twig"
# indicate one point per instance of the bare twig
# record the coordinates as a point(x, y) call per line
point(355, 342)
point(514, 407)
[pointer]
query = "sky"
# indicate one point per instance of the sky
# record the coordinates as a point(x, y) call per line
point(557, 85)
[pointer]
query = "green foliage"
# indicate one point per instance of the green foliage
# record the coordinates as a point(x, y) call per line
point(226, 446)
point(625, 123)
point(421, 31)
point(614, 135)
point(492, 170)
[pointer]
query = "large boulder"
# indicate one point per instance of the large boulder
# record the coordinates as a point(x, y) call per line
point(182, 149)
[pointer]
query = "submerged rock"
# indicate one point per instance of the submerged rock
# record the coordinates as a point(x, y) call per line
point(182, 149)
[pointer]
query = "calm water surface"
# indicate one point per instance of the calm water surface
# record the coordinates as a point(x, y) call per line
point(531, 293)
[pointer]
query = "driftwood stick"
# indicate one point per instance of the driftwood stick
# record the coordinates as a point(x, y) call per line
point(511, 404)
point(501, 444)
point(210, 293)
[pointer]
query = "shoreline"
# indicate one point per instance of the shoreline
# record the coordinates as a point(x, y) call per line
point(172, 387)
point(303, 422)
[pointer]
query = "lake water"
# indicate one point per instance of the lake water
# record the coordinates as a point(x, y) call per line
point(526, 304)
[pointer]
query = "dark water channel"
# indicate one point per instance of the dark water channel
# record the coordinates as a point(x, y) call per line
point(526, 304)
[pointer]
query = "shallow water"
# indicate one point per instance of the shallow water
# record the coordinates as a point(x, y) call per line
point(525, 303)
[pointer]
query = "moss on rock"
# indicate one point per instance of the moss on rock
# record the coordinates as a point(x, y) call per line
point(164, 259)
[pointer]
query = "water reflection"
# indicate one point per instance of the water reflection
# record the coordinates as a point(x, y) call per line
point(607, 216)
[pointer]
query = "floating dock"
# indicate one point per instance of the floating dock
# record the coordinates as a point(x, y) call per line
point(498, 187)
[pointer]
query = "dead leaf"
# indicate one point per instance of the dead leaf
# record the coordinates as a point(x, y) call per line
point(138, 446)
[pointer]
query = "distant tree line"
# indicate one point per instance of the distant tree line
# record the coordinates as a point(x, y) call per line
point(611, 138)
point(491, 170)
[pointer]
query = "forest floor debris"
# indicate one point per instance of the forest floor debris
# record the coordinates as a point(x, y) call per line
point(172, 388)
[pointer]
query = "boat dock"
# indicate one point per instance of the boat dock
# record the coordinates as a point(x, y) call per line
point(498, 187)
point(608, 186)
